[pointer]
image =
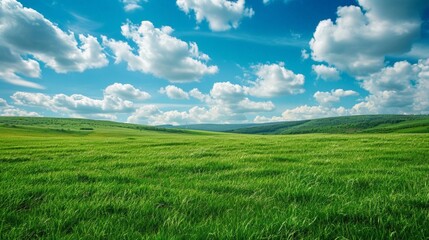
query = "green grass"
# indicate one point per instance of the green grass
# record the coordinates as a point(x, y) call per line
point(121, 181)
point(349, 124)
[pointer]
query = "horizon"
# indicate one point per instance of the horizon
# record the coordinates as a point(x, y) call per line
point(187, 62)
point(246, 125)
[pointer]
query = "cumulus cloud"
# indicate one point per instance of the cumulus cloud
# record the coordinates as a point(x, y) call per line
point(144, 112)
point(363, 35)
point(131, 5)
point(326, 73)
point(221, 15)
point(27, 38)
point(8, 110)
point(225, 103)
point(327, 98)
point(232, 98)
point(126, 91)
point(305, 112)
point(311, 112)
point(160, 54)
point(401, 88)
point(114, 100)
point(153, 115)
point(174, 92)
point(275, 80)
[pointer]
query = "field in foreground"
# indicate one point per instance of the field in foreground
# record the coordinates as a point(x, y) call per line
point(81, 179)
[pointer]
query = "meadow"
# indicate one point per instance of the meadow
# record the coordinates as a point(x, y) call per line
point(81, 179)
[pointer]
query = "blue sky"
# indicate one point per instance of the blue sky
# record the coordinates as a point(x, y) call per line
point(213, 61)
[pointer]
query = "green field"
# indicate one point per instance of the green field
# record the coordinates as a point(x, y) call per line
point(81, 179)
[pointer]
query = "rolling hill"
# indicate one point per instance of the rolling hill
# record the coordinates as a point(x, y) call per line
point(348, 124)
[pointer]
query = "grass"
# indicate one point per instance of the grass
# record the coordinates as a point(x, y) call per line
point(348, 124)
point(120, 181)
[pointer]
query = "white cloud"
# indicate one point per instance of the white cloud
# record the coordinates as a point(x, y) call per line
point(227, 91)
point(160, 54)
point(131, 5)
point(215, 114)
point(362, 36)
point(8, 110)
point(195, 93)
point(311, 112)
point(275, 80)
point(326, 73)
point(221, 15)
point(144, 112)
point(248, 105)
point(225, 103)
point(3, 103)
point(232, 98)
point(305, 112)
point(304, 54)
point(401, 88)
point(115, 100)
point(27, 38)
point(174, 92)
point(18, 112)
point(126, 91)
point(327, 98)
point(421, 99)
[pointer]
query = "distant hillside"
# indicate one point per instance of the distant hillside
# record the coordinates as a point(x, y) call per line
point(349, 124)
point(216, 127)
point(74, 125)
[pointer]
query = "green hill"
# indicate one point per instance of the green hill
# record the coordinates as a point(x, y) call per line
point(76, 125)
point(349, 124)
point(216, 127)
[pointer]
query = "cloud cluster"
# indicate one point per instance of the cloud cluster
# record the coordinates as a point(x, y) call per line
point(153, 115)
point(8, 110)
point(160, 54)
point(401, 88)
point(363, 35)
point(117, 98)
point(327, 98)
point(221, 15)
point(28, 38)
point(226, 102)
point(275, 80)
point(305, 112)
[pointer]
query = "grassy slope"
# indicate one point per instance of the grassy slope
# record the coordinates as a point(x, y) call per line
point(129, 183)
point(351, 124)
point(211, 127)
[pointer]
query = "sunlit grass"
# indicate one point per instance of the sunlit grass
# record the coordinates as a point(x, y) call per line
point(125, 183)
